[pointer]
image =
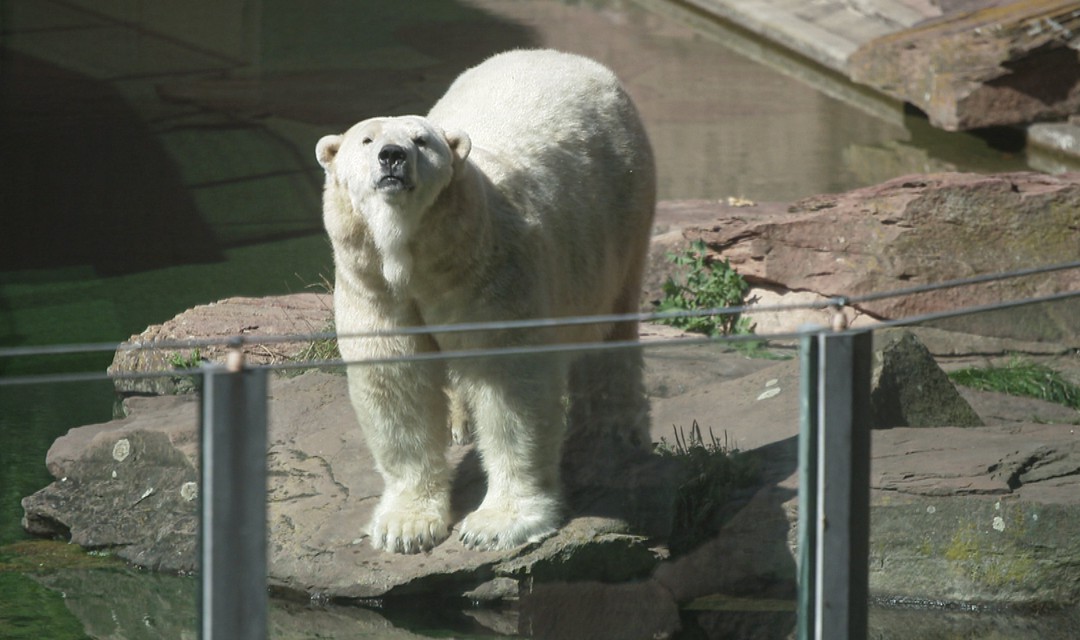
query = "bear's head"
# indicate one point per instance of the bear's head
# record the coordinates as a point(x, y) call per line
point(405, 161)
point(384, 174)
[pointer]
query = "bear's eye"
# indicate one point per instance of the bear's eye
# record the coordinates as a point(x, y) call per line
point(366, 141)
point(420, 141)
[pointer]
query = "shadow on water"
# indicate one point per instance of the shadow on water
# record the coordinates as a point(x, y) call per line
point(84, 182)
point(988, 145)
point(411, 57)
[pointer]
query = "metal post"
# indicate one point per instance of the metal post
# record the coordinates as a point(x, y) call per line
point(835, 530)
point(808, 458)
point(233, 598)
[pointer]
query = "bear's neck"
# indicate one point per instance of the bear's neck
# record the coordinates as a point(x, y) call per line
point(451, 243)
point(356, 258)
point(454, 237)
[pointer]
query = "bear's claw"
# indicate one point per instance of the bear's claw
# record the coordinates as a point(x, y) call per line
point(408, 544)
point(408, 531)
point(505, 527)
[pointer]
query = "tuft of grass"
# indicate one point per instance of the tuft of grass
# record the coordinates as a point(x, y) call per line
point(191, 361)
point(708, 284)
point(1021, 378)
point(186, 363)
point(322, 349)
point(715, 473)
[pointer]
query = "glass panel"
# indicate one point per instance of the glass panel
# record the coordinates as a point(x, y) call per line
point(691, 527)
point(975, 473)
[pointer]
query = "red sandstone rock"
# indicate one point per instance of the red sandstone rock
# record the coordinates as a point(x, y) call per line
point(250, 318)
point(981, 66)
point(916, 230)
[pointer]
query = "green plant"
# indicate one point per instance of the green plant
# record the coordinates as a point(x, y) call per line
point(708, 284)
point(186, 382)
point(321, 349)
point(714, 474)
point(1021, 378)
point(191, 361)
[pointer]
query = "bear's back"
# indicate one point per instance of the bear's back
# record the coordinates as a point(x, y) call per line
point(560, 141)
point(522, 103)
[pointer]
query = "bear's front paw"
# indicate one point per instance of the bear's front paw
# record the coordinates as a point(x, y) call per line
point(507, 523)
point(408, 528)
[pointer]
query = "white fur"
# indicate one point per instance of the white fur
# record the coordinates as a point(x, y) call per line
point(530, 191)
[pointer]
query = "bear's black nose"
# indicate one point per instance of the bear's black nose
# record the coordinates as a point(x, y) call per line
point(391, 155)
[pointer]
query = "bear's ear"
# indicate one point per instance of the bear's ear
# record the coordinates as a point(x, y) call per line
point(460, 145)
point(326, 149)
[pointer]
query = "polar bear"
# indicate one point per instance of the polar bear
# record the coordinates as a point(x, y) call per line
point(527, 192)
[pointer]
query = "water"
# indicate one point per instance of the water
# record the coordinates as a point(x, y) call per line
point(155, 158)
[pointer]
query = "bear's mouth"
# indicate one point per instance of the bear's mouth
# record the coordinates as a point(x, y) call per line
point(392, 183)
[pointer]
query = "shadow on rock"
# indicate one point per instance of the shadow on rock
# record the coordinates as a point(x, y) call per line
point(750, 555)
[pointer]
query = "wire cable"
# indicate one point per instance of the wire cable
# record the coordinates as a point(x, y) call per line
point(238, 341)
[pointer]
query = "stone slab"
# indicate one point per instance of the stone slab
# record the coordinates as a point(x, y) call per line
point(825, 32)
point(918, 230)
point(836, 34)
point(995, 65)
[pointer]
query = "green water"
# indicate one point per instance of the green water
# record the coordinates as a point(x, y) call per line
point(25, 603)
point(32, 416)
point(109, 310)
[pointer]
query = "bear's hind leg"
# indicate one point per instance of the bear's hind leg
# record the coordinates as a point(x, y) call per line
point(520, 421)
point(459, 415)
point(403, 411)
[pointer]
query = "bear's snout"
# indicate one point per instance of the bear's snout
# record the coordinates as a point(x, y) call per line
point(392, 156)
point(392, 166)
